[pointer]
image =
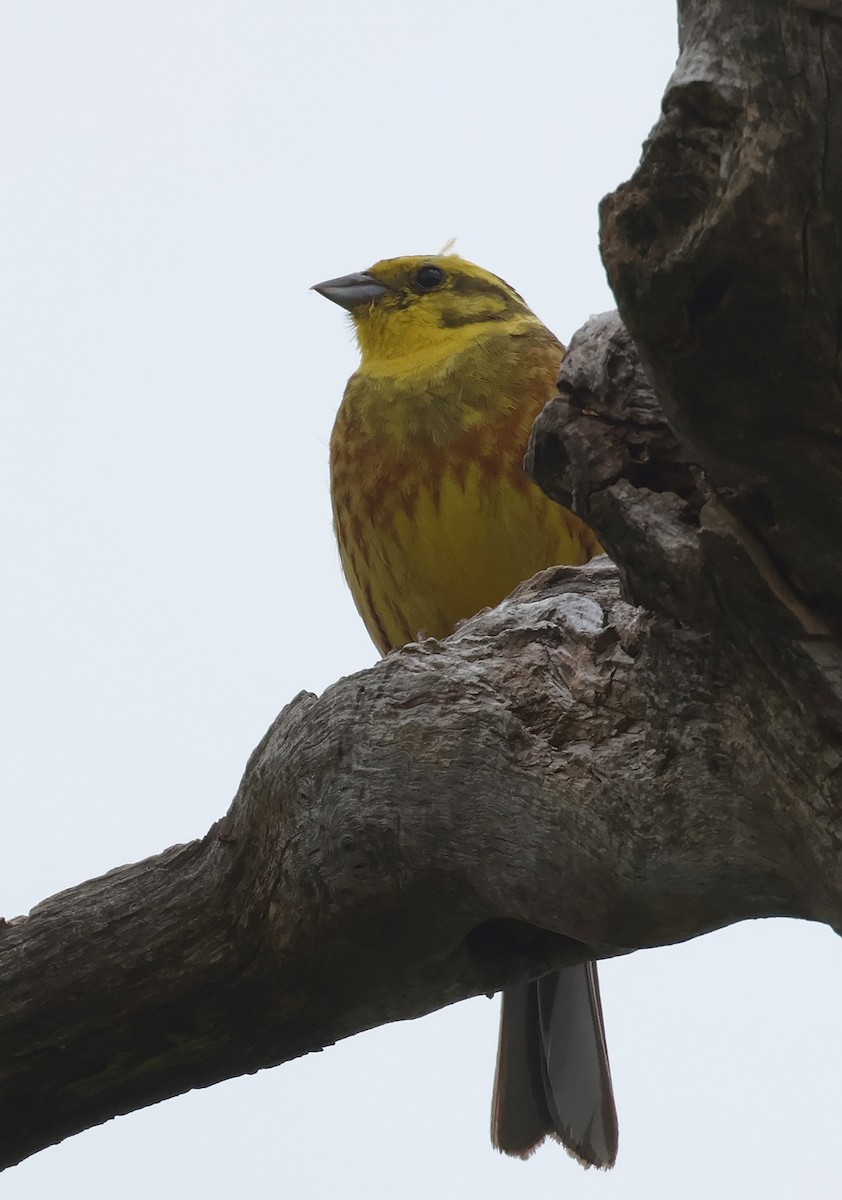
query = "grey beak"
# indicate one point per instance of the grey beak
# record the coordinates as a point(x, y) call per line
point(349, 291)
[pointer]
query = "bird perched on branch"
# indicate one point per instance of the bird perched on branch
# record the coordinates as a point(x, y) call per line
point(435, 520)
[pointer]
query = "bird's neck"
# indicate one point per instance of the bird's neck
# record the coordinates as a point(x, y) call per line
point(436, 398)
point(412, 344)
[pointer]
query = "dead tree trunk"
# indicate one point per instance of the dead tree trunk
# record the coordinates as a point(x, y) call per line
point(617, 757)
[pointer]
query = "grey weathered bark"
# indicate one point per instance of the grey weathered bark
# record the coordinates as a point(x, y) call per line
point(617, 757)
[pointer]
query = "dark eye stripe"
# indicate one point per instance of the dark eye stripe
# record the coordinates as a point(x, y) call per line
point(466, 286)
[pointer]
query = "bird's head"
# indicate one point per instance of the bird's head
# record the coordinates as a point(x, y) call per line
point(404, 306)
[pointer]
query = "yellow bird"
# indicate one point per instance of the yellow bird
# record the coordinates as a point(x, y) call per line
point(435, 520)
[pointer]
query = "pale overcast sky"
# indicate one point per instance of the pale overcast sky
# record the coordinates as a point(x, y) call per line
point(175, 174)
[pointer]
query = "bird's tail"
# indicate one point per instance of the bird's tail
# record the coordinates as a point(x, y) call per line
point(553, 1076)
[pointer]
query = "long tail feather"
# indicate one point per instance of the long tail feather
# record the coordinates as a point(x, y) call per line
point(553, 1077)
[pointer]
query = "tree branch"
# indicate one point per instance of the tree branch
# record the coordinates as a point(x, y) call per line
point(560, 764)
point(724, 254)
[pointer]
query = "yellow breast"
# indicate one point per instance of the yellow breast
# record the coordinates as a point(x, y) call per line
point(434, 514)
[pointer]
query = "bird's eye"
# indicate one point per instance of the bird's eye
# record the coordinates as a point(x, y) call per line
point(429, 278)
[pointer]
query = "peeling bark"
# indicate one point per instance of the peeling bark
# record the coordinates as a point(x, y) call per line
point(618, 756)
